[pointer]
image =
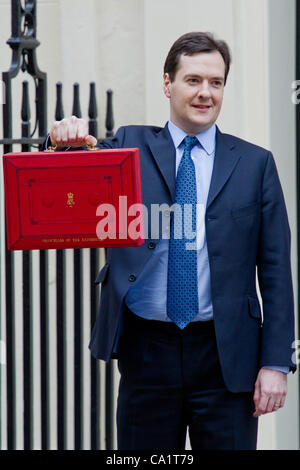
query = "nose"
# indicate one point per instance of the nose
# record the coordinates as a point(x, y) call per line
point(204, 90)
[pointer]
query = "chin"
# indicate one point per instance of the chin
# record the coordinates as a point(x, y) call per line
point(200, 126)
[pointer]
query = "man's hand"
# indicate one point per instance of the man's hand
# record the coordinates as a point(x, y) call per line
point(270, 391)
point(71, 132)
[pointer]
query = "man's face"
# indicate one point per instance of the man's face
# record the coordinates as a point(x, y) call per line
point(196, 94)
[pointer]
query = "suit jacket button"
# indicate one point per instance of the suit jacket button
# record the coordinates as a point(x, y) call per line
point(151, 245)
point(132, 278)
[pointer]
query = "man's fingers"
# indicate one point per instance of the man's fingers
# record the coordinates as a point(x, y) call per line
point(271, 405)
point(268, 404)
point(82, 130)
point(90, 140)
point(63, 129)
point(53, 132)
point(74, 131)
point(282, 401)
point(279, 402)
point(270, 391)
point(276, 402)
point(58, 132)
point(261, 405)
point(71, 132)
point(257, 395)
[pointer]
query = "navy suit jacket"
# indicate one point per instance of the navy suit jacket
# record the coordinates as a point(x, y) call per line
point(246, 229)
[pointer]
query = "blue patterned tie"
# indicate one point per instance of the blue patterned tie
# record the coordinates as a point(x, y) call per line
point(182, 293)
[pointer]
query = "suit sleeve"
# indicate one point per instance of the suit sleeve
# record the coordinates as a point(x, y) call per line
point(274, 273)
point(114, 142)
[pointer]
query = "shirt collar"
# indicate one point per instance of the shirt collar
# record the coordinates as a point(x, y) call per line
point(206, 138)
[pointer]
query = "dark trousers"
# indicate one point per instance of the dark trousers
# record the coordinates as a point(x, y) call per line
point(171, 381)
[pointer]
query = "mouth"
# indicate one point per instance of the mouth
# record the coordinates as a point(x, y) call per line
point(202, 107)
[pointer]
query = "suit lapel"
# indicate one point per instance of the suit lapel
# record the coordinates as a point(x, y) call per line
point(163, 151)
point(226, 158)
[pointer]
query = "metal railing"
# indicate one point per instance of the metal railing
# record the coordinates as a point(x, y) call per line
point(54, 395)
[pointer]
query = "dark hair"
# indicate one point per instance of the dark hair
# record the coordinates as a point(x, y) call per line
point(193, 43)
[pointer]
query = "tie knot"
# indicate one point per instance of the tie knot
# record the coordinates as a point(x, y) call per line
point(190, 142)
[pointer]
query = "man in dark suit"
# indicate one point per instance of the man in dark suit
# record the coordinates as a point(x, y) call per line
point(194, 349)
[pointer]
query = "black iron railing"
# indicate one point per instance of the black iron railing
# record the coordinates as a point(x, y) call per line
point(24, 43)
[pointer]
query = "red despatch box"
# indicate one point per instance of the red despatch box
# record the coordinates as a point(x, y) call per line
point(73, 199)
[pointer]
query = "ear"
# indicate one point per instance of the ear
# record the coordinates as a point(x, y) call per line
point(167, 85)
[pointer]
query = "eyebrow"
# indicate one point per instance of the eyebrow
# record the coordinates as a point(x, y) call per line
point(194, 75)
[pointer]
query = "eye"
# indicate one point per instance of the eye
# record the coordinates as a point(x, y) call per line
point(192, 80)
point(217, 83)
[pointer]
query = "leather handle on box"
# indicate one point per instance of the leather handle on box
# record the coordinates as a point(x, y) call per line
point(53, 149)
point(91, 147)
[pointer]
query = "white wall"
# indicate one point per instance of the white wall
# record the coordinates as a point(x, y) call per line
point(99, 41)
point(282, 134)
